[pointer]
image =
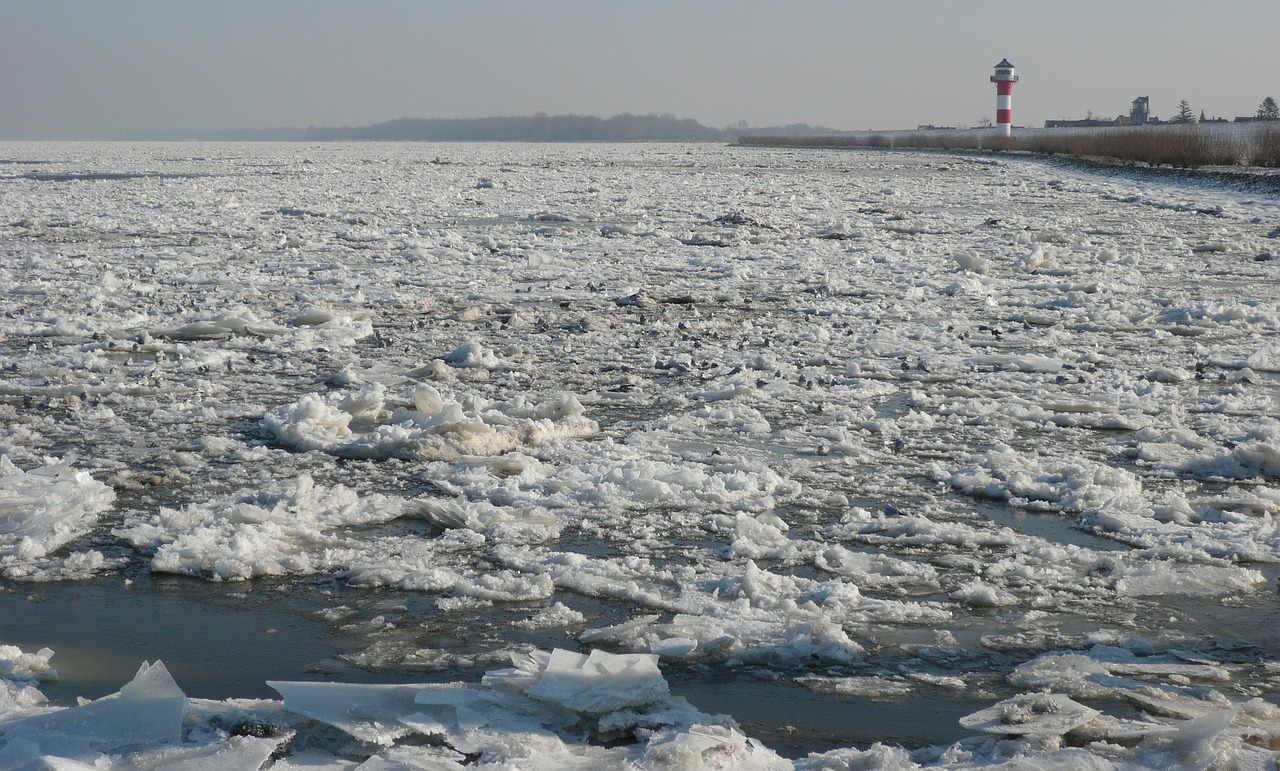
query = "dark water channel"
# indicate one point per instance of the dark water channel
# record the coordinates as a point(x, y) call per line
point(226, 640)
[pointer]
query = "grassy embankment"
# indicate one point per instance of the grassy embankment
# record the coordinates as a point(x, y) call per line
point(1249, 144)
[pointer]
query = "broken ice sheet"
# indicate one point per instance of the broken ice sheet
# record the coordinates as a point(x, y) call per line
point(704, 746)
point(44, 509)
point(367, 712)
point(870, 687)
point(592, 683)
point(236, 752)
point(147, 710)
point(568, 682)
point(1105, 672)
point(556, 615)
point(538, 710)
point(1031, 714)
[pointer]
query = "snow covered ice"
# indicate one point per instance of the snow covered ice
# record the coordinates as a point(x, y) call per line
point(45, 508)
point(661, 455)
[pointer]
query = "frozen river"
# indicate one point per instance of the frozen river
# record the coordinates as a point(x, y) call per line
point(854, 445)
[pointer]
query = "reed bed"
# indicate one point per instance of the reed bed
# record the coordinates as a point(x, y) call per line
point(1191, 146)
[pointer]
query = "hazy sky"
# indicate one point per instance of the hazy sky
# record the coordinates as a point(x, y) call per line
point(97, 69)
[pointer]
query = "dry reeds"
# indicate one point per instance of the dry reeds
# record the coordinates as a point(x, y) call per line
point(1177, 146)
point(1265, 150)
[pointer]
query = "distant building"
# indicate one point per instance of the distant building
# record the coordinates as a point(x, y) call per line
point(1140, 113)
point(1082, 123)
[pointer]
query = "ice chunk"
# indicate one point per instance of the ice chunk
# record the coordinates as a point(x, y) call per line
point(1166, 700)
point(311, 316)
point(1255, 453)
point(272, 530)
point(1097, 674)
point(311, 423)
point(368, 712)
point(427, 400)
point(471, 720)
point(238, 752)
point(878, 758)
point(703, 746)
point(472, 355)
point(973, 262)
point(870, 687)
point(1068, 485)
point(675, 647)
point(1266, 359)
point(536, 718)
point(557, 615)
point(1192, 743)
point(525, 524)
point(759, 536)
point(147, 710)
point(437, 428)
point(983, 595)
point(1157, 579)
point(1035, 714)
point(590, 683)
point(506, 586)
point(240, 321)
point(26, 666)
point(46, 508)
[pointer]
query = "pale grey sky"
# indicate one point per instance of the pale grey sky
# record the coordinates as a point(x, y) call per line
point(93, 69)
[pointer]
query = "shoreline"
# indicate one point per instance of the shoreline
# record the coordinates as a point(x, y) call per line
point(1253, 148)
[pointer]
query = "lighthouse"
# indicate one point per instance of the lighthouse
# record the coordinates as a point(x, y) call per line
point(1004, 80)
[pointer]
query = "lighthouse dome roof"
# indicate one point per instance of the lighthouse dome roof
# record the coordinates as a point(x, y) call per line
point(1004, 63)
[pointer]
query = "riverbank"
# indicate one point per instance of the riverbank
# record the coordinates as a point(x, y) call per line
point(1177, 146)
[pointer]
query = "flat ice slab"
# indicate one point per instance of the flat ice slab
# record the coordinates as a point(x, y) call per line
point(147, 710)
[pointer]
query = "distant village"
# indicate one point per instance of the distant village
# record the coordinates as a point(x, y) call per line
point(1248, 145)
point(1140, 115)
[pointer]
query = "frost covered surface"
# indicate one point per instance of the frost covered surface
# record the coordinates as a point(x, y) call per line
point(881, 426)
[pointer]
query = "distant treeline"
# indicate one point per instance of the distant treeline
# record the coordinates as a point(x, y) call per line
point(1189, 146)
point(535, 128)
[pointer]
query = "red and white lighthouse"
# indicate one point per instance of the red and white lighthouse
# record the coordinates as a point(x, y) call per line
point(1004, 80)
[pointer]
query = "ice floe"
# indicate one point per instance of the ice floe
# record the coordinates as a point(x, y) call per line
point(363, 425)
point(44, 509)
point(890, 430)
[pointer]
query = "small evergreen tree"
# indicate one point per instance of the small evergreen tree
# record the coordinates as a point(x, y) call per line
point(1184, 113)
point(1268, 110)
